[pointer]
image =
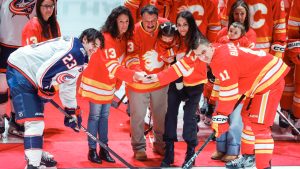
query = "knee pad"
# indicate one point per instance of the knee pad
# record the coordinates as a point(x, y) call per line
point(34, 128)
point(33, 136)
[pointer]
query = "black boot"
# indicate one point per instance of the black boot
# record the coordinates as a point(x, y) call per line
point(104, 155)
point(93, 156)
point(169, 155)
point(189, 154)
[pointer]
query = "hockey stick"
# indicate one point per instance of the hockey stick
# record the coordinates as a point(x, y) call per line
point(286, 119)
point(94, 138)
point(115, 104)
point(189, 163)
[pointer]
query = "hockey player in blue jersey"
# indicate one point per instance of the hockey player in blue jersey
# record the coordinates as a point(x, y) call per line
point(36, 72)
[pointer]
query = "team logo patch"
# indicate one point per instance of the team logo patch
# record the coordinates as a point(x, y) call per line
point(21, 7)
point(64, 77)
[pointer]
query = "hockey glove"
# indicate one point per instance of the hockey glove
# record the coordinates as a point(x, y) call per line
point(74, 121)
point(47, 93)
point(277, 49)
point(219, 124)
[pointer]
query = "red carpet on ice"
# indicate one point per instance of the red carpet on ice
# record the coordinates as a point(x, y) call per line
point(70, 149)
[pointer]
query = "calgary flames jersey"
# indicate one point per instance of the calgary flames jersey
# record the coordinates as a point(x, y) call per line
point(294, 21)
point(166, 50)
point(193, 70)
point(135, 7)
point(240, 42)
point(205, 13)
point(32, 32)
point(99, 78)
point(268, 21)
point(234, 67)
point(142, 56)
point(250, 35)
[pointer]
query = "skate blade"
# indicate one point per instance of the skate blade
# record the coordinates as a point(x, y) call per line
point(15, 133)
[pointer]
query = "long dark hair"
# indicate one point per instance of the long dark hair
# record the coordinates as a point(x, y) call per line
point(111, 25)
point(193, 33)
point(233, 7)
point(52, 22)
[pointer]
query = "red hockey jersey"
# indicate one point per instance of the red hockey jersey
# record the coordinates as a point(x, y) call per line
point(294, 21)
point(99, 78)
point(32, 32)
point(240, 42)
point(205, 13)
point(193, 70)
point(135, 7)
point(142, 56)
point(244, 71)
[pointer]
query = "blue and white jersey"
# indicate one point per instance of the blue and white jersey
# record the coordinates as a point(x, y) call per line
point(54, 62)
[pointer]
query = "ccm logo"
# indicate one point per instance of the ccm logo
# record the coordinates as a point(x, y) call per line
point(219, 119)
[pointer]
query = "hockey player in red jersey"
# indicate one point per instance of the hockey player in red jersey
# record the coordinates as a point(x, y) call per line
point(135, 7)
point(42, 27)
point(268, 21)
point(205, 13)
point(290, 102)
point(262, 87)
point(35, 71)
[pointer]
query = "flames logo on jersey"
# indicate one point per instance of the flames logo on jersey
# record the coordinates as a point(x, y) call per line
point(22, 7)
point(64, 77)
point(151, 60)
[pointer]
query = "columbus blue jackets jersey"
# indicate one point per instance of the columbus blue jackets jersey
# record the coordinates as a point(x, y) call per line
point(54, 62)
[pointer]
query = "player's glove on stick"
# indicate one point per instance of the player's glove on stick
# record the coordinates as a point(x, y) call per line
point(219, 124)
point(47, 93)
point(74, 121)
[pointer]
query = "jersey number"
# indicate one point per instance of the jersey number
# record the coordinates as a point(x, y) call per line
point(224, 75)
point(31, 40)
point(69, 61)
point(110, 53)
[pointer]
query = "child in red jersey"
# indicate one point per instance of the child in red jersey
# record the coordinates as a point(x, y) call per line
point(167, 42)
point(236, 36)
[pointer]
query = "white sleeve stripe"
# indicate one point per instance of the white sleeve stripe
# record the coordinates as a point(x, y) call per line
point(293, 23)
point(112, 66)
point(263, 146)
point(214, 28)
point(181, 68)
point(248, 137)
point(280, 26)
point(229, 93)
point(97, 90)
point(129, 61)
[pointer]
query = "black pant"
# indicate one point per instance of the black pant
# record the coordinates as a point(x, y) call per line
point(175, 96)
